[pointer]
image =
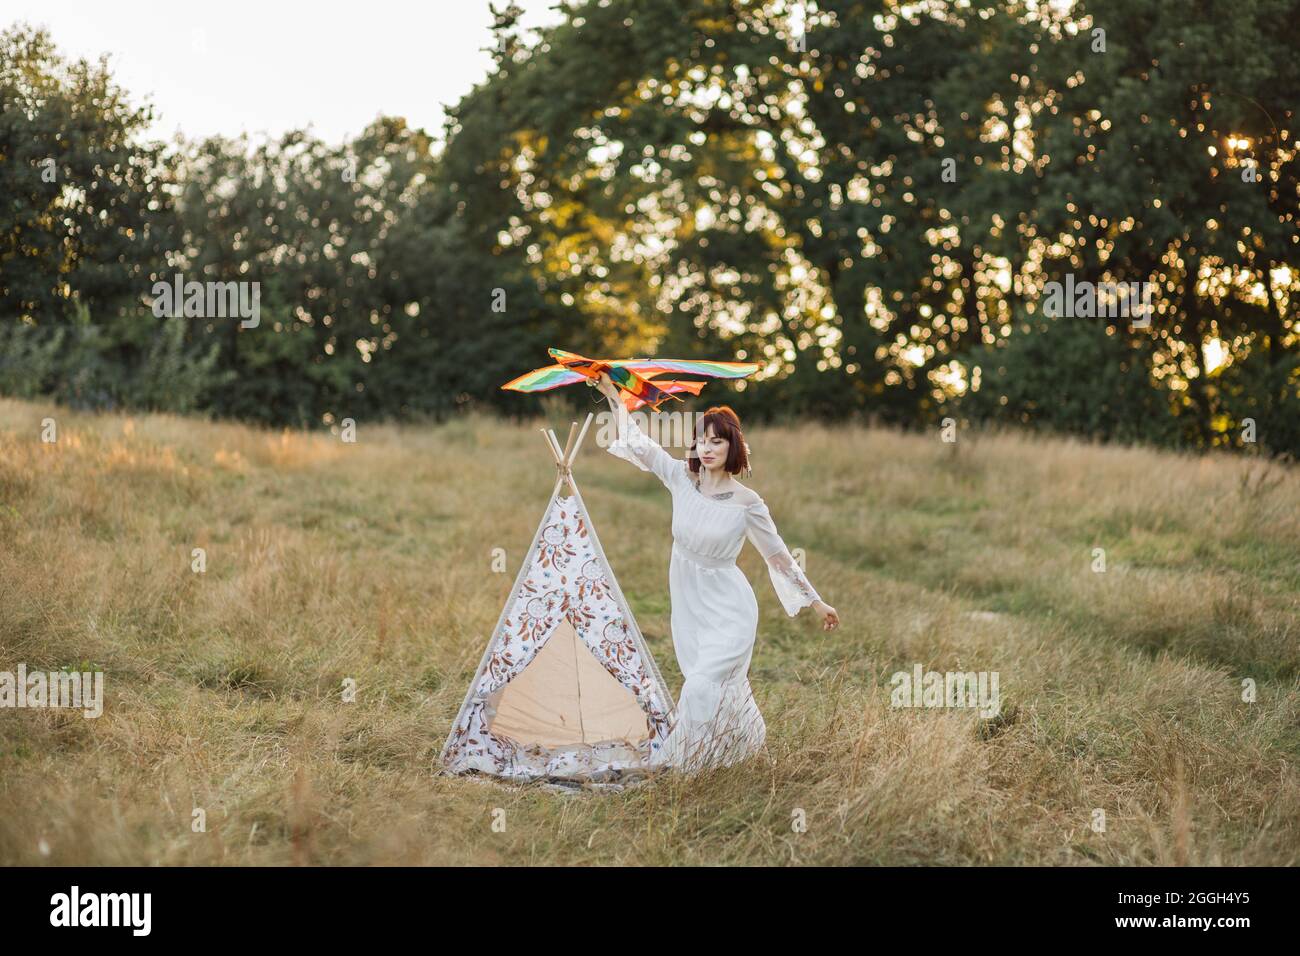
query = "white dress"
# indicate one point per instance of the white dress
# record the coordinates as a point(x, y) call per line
point(714, 612)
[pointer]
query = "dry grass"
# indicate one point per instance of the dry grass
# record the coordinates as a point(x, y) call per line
point(1122, 690)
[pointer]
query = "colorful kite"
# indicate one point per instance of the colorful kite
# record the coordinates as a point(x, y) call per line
point(632, 376)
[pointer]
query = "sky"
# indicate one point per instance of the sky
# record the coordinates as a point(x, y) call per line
point(277, 65)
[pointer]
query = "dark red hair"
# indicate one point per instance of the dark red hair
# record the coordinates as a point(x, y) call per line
point(725, 424)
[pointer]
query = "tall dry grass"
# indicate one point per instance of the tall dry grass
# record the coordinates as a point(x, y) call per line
point(1122, 691)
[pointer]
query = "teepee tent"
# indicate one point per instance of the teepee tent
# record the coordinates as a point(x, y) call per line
point(567, 689)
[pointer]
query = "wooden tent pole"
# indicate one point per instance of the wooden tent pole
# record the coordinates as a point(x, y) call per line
point(583, 434)
point(568, 446)
point(555, 448)
point(550, 443)
point(564, 457)
point(561, 466)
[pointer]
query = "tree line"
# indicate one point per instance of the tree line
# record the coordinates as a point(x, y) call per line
point(873, 200)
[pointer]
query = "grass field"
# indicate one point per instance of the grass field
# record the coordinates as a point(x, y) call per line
point(1122, 691)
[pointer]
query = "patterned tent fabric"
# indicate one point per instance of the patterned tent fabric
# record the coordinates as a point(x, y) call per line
point(565, 588)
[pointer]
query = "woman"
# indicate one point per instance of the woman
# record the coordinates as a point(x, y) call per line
point(714, 612)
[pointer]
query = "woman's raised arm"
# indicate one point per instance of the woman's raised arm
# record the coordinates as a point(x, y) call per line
point(634, 445)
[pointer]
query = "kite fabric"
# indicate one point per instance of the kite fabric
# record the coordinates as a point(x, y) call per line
point(633, 377)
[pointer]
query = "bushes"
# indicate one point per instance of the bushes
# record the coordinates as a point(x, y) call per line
point(1074, 376)
point(172, 377)
point(1265, 389)
point(82, 365)
point(28, 360)
point(1071, 376)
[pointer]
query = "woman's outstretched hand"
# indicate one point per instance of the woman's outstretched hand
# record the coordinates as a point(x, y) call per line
point(830, 617)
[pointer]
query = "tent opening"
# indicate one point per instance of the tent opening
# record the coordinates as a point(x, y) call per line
point(566, 697)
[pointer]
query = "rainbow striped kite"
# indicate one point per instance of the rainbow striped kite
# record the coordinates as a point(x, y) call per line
point(632, 376)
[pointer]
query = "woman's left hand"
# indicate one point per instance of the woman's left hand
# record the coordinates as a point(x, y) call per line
point(830, 617)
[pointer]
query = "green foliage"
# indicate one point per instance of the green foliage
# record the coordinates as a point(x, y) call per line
point(28, 360)
point(1072, 376)
point(869, 213)
point(85, 206)
point(1265, 390)
point(78, 365)
point(172, 377)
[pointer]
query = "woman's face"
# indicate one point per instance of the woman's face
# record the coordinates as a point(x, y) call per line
point(712, 449)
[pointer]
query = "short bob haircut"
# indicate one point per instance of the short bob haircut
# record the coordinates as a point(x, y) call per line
point(725, 424)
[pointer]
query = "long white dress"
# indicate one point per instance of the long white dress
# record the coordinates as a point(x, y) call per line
point(714, 613)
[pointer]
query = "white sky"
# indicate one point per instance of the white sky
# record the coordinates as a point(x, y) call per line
point(275, 65)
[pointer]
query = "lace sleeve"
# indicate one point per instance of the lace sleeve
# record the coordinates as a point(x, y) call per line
point(791, 584)
point(634, 445)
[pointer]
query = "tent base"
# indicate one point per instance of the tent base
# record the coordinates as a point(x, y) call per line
point(609, 762)
point(616, 783)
